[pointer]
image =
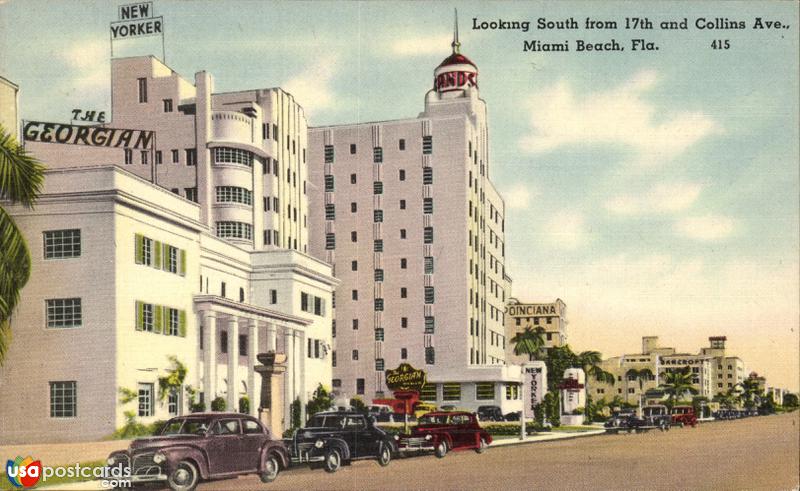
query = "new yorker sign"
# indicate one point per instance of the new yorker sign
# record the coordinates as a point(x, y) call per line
point(136, 20)
point(93, 136)
point(404, 378)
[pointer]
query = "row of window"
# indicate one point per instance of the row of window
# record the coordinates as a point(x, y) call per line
point(430, 357)
point(312, 304)
point(144, 155)
point(377, 186)
point(377, 152)
point(234, 230)
point(330, 239)
point(159, 319)
point(234, 194)
point(228, 155)
point(159, 255)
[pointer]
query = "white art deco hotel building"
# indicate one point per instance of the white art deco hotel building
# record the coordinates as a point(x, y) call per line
point(414, 227)
point(195, 248)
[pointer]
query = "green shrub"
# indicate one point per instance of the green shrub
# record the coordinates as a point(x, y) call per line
point(244, 405)
point(197, 407)
point(218, 404)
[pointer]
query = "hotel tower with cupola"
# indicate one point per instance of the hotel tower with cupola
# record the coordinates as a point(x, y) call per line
point(415, 229)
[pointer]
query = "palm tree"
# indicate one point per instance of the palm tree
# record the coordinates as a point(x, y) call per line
point(529, 342)
point(727, 400)
point(21, 179)
point(750, 392)
point(676, 384)
point(590, 362)
point(640, 376)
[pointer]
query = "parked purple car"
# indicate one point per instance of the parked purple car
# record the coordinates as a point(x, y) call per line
point(203, 446)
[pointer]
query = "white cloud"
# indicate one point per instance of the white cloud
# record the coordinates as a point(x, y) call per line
point(567, 230)
point(432, 44)
point(312, 87)
point(661, 198)
point(89, 60)
point(705, 228)
point(560, 116)
point(518, 196)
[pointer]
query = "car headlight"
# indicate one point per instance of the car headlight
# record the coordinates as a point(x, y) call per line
point(319, 443)
point(111, 460)
point(159, 457)
point(428, 437)
point(397, 437)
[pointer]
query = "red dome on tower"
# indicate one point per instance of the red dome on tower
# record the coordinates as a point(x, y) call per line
point(457, 59)
point(456, 72)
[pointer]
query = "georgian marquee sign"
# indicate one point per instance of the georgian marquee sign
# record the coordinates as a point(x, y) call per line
point(405, 378)
point(93, 136)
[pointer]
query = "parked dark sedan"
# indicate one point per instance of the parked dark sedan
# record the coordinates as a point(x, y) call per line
point(333, 439)
point(203, 446)
point(490, 413)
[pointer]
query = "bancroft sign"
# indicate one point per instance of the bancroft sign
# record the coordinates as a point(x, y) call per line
point(405, 377)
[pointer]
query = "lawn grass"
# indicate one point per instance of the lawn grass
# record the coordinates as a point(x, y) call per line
point(54, 480)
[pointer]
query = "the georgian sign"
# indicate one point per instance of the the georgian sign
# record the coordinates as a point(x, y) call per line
point(93, 136)
point(405, 377)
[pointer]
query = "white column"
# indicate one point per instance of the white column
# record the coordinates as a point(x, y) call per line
point(209, 357)
point(299, 371)
point(288, 377)
point(272, 340)
point(233, 364)
point(253, 382)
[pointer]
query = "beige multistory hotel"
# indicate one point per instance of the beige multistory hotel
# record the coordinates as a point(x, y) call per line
point(415, 229)
point(548, 318)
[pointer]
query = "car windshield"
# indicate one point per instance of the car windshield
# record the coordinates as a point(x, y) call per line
point(326, 421)
point(434, 419)
point(186, 426)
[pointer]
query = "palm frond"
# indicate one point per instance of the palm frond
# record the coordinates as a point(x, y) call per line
point(21, 174)
point(15, 264)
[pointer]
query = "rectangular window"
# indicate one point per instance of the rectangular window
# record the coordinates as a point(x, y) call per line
point(167, 105)
point(430, 356)
point(428, 393)
point(353, 179)
point(330, 241)
point(379, 334)
point(404, 322)
point(378, 275)
point(64, 313)
point(451, 391)
point(360, 386)
point(427, 145)
point(402, 174)
point(353, 236)
point(159, 157)
point(175, 156)
point(378, 304)
point(427, 205)
point(329, 183)
point(173, 322)
point(191, 194)
point(142, 90)
point(353, 207)
point(428, 264)
point(304, 302)
point(404, 292)
point(430, 324)
point(330, 212)
point(428, 235)
point(402, 233)
point(328, 154)
point(429, 294)
point(145, 400)
point(128, 156)
point(354, 294)
point(243, 344)
point(273, 297)
point(377, 216)
point(319, 306)
point(377, 187)
point(355, 355)
point(355, 324)
point(144, 154)
point(402, 204)
point(173, 402)
point(223, 341)
point(484, 391)
point(234, 230)
point(379, 364)
point(401, 144)
point(377, 155)
point(512, 392)
point(427, 175)
point(62, 244)
point(64, 399)
point(378, 247)
point(333, 363)
point(403, 263)
point(191, 156)
point(234, 194)
point(352, 148)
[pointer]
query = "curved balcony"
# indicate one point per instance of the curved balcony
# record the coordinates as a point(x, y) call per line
point(232, 126)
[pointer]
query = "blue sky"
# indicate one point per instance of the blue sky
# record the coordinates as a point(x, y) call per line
point(654, 192)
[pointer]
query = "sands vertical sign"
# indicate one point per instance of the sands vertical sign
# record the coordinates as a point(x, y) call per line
point(137, 20)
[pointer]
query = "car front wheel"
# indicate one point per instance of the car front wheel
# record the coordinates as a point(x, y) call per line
point(384, 455)
point(271, 470)
point(333, 460)
point(184, 477)
point(441, 449)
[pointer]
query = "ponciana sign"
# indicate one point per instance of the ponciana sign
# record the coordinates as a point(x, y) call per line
point(94, 136)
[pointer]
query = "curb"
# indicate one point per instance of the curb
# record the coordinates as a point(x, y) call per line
point(567, 436)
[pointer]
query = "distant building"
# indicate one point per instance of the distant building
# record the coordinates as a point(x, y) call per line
point(9, 106)
point(550, 317)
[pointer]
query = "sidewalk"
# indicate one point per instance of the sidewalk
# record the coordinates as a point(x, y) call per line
point(54, 454)
point(545, 437)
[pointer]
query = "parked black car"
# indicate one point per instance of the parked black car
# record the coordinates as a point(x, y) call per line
point(336, 438)
point(515, 416)
point(490, 413)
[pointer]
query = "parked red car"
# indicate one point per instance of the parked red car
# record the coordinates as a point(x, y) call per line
point(684, 415)
point(442, 432)
point(202, 446)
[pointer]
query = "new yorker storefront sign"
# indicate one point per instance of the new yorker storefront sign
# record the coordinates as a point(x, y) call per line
point(405, 378)
point(94, 136)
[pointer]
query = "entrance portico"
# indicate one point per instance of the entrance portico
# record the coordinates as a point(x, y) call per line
point(247, 331)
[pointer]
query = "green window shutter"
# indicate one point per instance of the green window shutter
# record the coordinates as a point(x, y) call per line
point(157, 254)
point(182, 323)
point(157, 318)
point(167, 317)
point(139, 315)
point(183, 263)
point(139, 253)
